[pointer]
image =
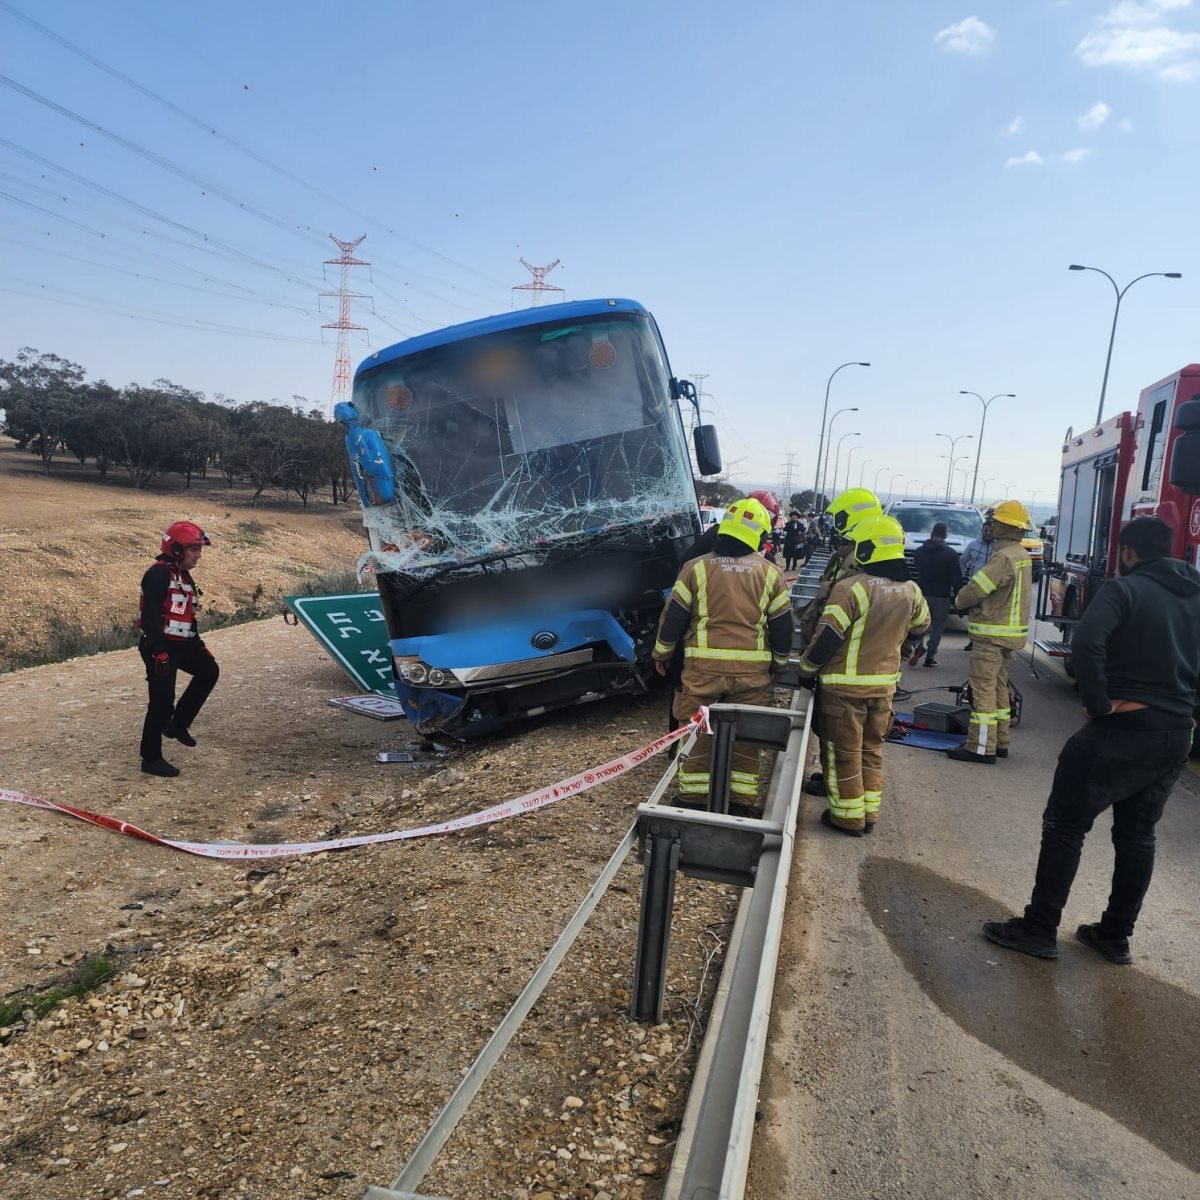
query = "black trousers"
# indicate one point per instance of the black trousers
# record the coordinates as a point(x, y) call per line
point(1106, 765)
point(192, 658)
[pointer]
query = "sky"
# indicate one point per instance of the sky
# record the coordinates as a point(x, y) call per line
point(787, 187)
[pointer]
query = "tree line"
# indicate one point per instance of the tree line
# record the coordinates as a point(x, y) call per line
point(52, 410)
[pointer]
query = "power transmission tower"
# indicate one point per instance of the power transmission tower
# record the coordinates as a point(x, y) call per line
point(341, 366)
point(786, 486)
point(539, 284)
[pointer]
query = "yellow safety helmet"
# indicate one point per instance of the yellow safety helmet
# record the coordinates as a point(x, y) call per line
point(747, 520)
point(851, 507)
point(1012, 512)
point(877, 539)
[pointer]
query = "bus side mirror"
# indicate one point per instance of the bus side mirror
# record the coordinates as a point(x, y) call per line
point(1185, 457)
point(708, 450)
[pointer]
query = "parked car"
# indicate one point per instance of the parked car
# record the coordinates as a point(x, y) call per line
point(918, 517)
point(963, 523)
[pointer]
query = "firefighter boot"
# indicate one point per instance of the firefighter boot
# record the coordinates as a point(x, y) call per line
point(964, 755)
point(827, 821)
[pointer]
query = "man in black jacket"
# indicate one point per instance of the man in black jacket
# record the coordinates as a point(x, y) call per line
point(939, 577)
point(1136, 655)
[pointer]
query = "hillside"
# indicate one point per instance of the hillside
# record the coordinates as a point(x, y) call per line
point(73, 548)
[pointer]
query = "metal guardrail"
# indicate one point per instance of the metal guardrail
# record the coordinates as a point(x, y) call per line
point(713, 1149)
point(804, 588)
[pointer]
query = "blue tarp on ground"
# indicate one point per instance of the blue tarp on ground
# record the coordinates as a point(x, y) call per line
point(925, 739)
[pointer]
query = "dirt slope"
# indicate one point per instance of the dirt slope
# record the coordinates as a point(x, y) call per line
point(73, 549)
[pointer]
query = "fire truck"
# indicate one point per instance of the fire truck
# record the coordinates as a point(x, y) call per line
point(1144, 463)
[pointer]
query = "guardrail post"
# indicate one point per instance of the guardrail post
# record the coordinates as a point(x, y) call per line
point(661, 859)
point(724, 730)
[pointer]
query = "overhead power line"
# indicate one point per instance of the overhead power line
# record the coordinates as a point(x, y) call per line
point(233, 143)
point(39, 292)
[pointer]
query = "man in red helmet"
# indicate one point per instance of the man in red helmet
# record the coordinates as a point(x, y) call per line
point(170, 642)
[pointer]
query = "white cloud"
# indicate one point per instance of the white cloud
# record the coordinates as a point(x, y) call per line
point(969, 36)
point(1125, 125)
point(1095, 116)
point(1137, 35)
point(1015, 126)
point(1181, 72)
point(1031, 158)
point(1077, 155)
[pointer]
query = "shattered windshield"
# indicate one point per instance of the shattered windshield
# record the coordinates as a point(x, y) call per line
point(514, 440)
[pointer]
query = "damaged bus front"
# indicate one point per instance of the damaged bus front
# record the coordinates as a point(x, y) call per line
point(529, 499)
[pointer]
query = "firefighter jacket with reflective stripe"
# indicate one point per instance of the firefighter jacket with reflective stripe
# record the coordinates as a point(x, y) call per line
point(838, 566)
point(733, 613)
point(167, 606)
point(856, 647)
point(996, 598)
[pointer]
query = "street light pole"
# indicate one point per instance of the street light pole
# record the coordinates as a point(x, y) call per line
point(1008, 487)
point(953, 443)
point(875, 485)
point(982, 423)
point(923, 487)
point(892, 485)
point(862, 470)
point(1120, 291)
point(825, 467)
point(849, 459)
point(824, 411)
point(837, 457)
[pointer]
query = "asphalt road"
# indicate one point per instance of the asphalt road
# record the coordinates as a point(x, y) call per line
point(910, 1057)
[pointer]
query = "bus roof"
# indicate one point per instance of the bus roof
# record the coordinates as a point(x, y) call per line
point(518, 319)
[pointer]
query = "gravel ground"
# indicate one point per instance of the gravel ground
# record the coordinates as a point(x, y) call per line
point(290, 1031)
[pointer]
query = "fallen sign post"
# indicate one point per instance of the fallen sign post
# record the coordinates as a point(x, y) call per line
point(351, 627)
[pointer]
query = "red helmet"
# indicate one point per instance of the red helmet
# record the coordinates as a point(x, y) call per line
point(180, 535)
point(768, 501)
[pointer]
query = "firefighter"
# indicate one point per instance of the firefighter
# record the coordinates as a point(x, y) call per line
point(731, 609)
point(855, 655)
point(996, 600)
point(170, 642)
point(844, 513)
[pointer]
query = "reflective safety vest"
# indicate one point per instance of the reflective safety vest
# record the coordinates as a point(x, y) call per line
point(997, 597)
point(178, 615)
point(730, 601)
point(875, 616)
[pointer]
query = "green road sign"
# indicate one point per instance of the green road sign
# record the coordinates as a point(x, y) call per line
point(353, 630)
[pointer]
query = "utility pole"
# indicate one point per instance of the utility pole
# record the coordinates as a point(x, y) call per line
point(539, 284)
point(341, 365)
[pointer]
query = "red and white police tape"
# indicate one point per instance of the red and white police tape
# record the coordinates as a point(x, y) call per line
point(582, 782)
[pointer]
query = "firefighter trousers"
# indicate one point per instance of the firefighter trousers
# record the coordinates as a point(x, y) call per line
point(703, 685)
point(988, 731)
point(853, 729)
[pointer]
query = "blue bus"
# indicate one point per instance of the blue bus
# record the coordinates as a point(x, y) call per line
point(529, 499)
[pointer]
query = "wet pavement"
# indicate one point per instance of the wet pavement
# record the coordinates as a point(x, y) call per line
point(1113, 1037)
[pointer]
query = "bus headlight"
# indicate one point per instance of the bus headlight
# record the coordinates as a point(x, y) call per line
point(415, 672)
point(437, 677)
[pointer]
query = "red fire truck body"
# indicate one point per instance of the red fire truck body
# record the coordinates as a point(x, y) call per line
point(1110, 474)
